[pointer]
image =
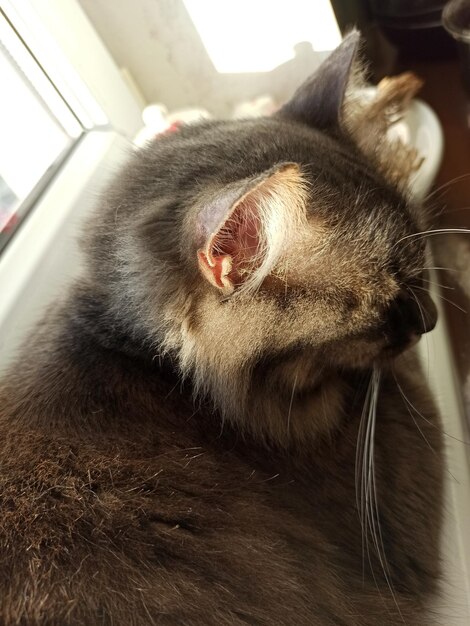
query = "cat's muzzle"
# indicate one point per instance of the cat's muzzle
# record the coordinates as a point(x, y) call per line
point(407, 318)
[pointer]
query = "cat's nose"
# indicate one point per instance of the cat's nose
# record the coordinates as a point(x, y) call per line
point(409, 315)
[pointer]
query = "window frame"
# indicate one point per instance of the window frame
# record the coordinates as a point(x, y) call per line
point(36, 263)
point(65, 44)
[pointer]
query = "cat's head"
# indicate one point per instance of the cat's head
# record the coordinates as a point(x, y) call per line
point(267, 255)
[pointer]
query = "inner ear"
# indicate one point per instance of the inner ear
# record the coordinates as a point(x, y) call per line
point(235, 249)
point(245, 237)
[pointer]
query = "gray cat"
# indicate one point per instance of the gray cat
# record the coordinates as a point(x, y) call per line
point(211, 429)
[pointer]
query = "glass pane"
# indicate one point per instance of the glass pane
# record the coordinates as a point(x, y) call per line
point(34, 138)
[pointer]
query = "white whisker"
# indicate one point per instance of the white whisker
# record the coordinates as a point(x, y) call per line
point(433, 282)
point(408, 401)
point(290, 404)
point(366, 485)
point(447, 184)
point(439, 295)
point(409, 406)
point(436, 267)
point(437, 231)
point(424, 325)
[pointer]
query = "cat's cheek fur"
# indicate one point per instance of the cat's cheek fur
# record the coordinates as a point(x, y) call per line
point(231, 352)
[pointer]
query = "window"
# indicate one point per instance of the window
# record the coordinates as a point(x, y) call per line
point(67, 120)
point(235, 42)
point(58, 83)
point(37, 128)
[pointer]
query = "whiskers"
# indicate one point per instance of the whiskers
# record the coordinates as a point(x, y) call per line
point(411, 407)
point(441, 297)
point(290, 404)
point(458, 272)
point(434, 201)
point(442, 251)
point(366, 485)
point(436, 231)
point(439, 190)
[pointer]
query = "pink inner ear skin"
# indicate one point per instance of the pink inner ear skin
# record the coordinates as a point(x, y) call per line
point(216, 270)
point(233, 250)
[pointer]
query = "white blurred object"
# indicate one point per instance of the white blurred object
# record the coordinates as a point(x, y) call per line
point(242, 36)
point(188, 116)
point(420, 128)
point(155, 117)
point(157, 120)
point(258, 107)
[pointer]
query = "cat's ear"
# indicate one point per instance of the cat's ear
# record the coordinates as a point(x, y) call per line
point(319, 100)
point(245, 229)
point(368, 118)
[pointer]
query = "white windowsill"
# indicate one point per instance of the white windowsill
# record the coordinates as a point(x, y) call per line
point(453, 608)
point(44, 254)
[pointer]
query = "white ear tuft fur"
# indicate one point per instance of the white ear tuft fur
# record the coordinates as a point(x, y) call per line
point(368, 120)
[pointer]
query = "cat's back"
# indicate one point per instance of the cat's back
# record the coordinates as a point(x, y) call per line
point(123, 504)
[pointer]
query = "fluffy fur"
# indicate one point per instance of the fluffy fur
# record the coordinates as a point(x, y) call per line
point(179, 449)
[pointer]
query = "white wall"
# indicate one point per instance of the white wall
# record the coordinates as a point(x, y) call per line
point(158, 43)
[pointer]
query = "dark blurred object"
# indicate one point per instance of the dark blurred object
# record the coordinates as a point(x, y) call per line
point(380, 55)
point(351, 13)
point(456, 20)
point(414, 27)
